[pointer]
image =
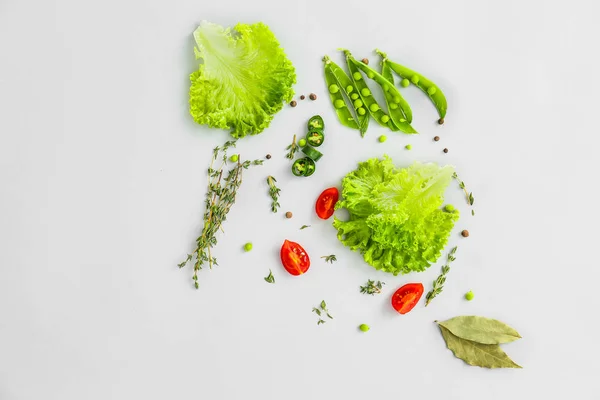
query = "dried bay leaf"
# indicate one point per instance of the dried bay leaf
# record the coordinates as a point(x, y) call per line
point(477, 354)
point(480, 329)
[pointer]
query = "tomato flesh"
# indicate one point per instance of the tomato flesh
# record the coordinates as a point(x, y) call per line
point(325, 205)
point(405, 298)
point(294, 258)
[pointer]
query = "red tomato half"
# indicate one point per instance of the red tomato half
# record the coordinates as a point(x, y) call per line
point(326, 203)
point(294, 258)
point(407, 297)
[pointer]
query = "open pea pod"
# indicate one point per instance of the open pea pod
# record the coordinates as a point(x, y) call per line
point(339, 87)
point(428, 87)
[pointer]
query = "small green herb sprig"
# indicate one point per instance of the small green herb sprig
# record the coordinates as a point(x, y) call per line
point(372, 287)
point(469, 195)
point(304, 227)
point(274, 192)
point(322, 309)
point(330, 258)
point(223, 184)
point(438, 284)
point(270, 278)
point(292, 149)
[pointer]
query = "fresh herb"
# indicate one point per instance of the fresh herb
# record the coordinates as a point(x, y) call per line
point(274, 192)
point(223, 185)
point(438, 284)
point(468, 195)
point(270, 278)
point(372, 287)
point(293, 148)
point(304, 227)
point(322, 309)
point(330, 258)
point(320, 321)
point(473, 212)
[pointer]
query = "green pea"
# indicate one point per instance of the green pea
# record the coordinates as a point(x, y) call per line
point(361, 111)
point(397, 99)
point(402, 120)
point(334, 88)
point(302, 142)
point(370, 74)
point(431, 91)
point(469, 295)
point(364, 327)
point(349, 89)
point(339, 103)
point(386, 88)
point(357, 76)
point(365, 92)
point(248, 246)
point(393, 106)
point(233, 158)
point(385, 119)
point(408, 147)
point(449, 208)
point(374, 107)
point(354, 96)
point(382, 138)
point(358, 103)
point(414, 79)
point(404, 82)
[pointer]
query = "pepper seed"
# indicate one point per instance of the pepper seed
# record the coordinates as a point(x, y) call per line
point(312, 96)
point(288, 214)
point(365, 60)
point(302, 97)
point(436, 138)
point(441, 121)
point(293, 103)
point(465, 233)
point(268, 157)
point(445, 150)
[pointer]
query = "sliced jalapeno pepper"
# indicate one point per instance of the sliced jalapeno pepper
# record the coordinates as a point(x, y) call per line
point(315, 123)
point(299, 167)
point(313, 154)
point(310, 166)
point(315, 138)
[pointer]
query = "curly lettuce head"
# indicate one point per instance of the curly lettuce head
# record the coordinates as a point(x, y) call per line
point(396, 221)
point(243, 80)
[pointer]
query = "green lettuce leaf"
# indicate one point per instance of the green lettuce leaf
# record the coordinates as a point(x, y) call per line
point(243, 80)
point(395, 217)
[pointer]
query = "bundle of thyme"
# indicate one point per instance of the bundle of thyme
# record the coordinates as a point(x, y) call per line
point(438, 284)
point(223, 184)
point(461, 184)
point(293, 148)
point(274, 192)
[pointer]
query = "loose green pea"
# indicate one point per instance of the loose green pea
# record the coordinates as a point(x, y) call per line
point(361, 111)
point(431, 91)
point(349, 89)
point(393, 106)
point(354, 96)
point(233, 158)
point(414, 79)
point(408, 147)
point(339, 103)
point(358, 103)
point(357, 76)
point(334, 88)
point(382, 138)
point(374, 107)
point(248, 246)
point(365, 92)
point(469, 295)
point(302, 142)
point(364, 327)
point(370, 74)
point(404, 82)
point(397, 99)
point(385, 119)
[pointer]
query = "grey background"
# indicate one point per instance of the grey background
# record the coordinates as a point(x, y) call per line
point(102, 184)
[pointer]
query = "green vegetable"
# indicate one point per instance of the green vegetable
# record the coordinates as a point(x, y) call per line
point(312, 153)
point(299, 167)
point(302, 142)
point(339, 103)
point(365, 92)
point(364, 327)
point(248, 246)
point(404, 82)
point(316, 123)
point(333, 88)
point(315, 138)
point(354, 96)
point(382, 138)
point(310, 166)
point(481, 329)
point(477, 354)
point(408, 147)
point(357, 76)
point(243, 80)
point(395, 218)
point(469, 295)
point(234, 158)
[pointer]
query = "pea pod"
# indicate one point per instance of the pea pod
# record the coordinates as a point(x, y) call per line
point(429, 88)
point(337, 81)
point(398, 109)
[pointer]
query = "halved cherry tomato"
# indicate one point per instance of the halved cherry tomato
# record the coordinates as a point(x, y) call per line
point(294, 258)
point(326, 203)
point(407, 297)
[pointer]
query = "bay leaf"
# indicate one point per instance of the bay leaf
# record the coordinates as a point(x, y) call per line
point(481, 329)
point(477, 354)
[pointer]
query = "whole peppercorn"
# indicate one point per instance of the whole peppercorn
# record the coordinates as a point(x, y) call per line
point(436, 138)
point(293, 103)
point(288, 214)
point(302, 97)
point(445, 150)
point(441, 121)
point(465, 233)
point(365, 60)
point(312, 96)
point(268, 156)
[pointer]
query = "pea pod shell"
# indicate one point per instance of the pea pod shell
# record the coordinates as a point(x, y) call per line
point(438, 99)
point(344, 81)
point(480, 329)
point(344, 114)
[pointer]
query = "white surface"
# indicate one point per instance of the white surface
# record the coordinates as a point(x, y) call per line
point(102, 185)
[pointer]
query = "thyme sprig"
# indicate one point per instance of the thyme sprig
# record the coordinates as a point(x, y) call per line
point(372, 287)
point(322, 309)
point(468, 195)
point(330, 258)
point(270, 278)
point(438, 284)
point(274, 192)
point(304, 227)
point(293, 148)
point(223, 184)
